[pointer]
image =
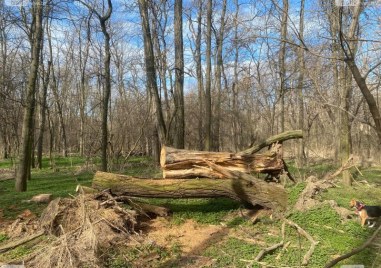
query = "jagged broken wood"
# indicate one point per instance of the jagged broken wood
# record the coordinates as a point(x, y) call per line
point(182, 164)
point(253, 192)
point(178, 163)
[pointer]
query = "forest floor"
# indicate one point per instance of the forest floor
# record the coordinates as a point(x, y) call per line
point(208, 232)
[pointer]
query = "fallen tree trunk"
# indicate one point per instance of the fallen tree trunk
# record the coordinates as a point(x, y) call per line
point(177, 163)
point(252, 191)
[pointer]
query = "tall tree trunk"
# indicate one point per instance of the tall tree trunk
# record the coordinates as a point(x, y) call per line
point(345, 135)
point(57, 100)
point(23, 172)
point(103, 19)
point(200, 83)
point(301, 63)
point(219, 60)
point(179, 77)
point(107, 87)
point(151, 71)
point(350, 53)
point(235, 121)
point(40, 141)
point(345, 125)
point(82, 102)
point(208, 82)
point(160, 48)
point(282, 63)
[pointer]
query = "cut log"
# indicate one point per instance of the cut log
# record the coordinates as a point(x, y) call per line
point(252, 191)
point(177, 163)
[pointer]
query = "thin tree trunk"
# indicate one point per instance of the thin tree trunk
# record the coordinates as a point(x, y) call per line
point(179, 77)
point(282, 62)
point(301, 64)
point(208, 82)
point(200, 84)
point(82, 103)
point(23, 172)
point(58, 103)
point(235, 121)
point(219, 48)
point(107, 88)
point(43, 107)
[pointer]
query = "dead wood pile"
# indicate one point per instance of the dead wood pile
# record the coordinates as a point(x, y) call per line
point(75, 231)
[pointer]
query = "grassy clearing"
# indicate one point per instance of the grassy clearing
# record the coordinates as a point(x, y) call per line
point(244, 241)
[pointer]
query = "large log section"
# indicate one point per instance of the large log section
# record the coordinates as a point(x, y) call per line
point(177, 163)
point(247, 189)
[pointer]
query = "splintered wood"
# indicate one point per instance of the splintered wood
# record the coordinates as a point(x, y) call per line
point(177, 163)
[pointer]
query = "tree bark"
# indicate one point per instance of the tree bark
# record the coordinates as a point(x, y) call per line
point(179, 77)
point(23, 172)
point(301, 64)
point(218, 74)
point(255, 192)
point(43, 101)
point(107, 89)
point(149, 58)
point(282, 62)
point(208, 83)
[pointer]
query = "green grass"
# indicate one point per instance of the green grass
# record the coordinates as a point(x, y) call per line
point(232, 253)
point(205, 211)
point(59, 184)
point(322, 223)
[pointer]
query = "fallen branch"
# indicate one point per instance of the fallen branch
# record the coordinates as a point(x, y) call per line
point(347, 165)
point(15, 244)
point(301, 231)
point(267, 250)
point(354, 251)
point(294, 134)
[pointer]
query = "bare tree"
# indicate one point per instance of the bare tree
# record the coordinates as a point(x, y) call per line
point(218, 74)
point(103, 20)
point(301, 66)
point(151, 71)
point(282, 63)
point(208, 82)
point(36, 36)
point(179, 77)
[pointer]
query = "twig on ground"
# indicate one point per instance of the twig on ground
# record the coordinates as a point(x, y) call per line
point(347, 165)
point(354, 251)
point(15, 244)
point(267, 250)
point(301, 231)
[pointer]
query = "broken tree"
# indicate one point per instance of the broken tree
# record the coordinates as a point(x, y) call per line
point(177, 163)
point(220, 174)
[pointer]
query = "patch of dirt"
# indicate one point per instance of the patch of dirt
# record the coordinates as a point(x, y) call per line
point(191, 236)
